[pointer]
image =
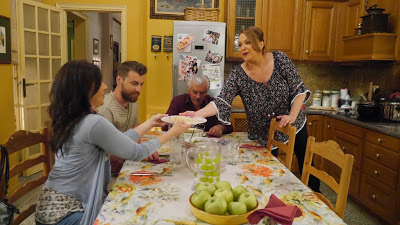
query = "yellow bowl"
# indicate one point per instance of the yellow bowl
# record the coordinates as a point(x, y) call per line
point(220, 219)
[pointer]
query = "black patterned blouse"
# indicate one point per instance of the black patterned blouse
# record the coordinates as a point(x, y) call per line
point(263, 101)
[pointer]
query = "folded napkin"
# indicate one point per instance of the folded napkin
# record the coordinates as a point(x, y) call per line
point(158, 161)
point(251, 146)
point(276, 210)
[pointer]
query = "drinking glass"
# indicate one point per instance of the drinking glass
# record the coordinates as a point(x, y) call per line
point(175, 145)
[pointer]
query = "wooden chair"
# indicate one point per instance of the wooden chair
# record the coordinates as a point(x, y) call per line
point(18, 141)
point(239, 122)
point(287, 147)
point(331, 151)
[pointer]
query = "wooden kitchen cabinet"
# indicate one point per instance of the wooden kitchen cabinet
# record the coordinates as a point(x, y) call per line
point(320, 30)
point(241, 14)
point(315, 126)
point(329, 129)
point(380, 186)
point(281, 22)
point(282, 25)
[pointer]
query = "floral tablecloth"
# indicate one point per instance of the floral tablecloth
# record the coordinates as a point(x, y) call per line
point(165, 199)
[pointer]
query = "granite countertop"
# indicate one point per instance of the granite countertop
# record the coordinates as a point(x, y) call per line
point(392, 129)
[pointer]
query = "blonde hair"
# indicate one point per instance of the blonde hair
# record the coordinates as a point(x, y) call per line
point(254, 34)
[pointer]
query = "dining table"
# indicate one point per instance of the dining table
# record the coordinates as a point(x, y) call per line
point(164, 198)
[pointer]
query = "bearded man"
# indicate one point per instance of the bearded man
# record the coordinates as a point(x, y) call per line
point(120, 106)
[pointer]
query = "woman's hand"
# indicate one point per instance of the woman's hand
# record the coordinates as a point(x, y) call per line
point(286, 119)
point(156, 120)
point(178, 128)
point(188, 113)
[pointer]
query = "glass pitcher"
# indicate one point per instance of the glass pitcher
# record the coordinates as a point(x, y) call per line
point(206, 162)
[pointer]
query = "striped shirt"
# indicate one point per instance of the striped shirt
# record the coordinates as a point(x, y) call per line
point(122, 118)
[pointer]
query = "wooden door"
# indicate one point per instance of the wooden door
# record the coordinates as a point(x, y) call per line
point(319, 37)
point(314, 126)
point(40, 55)
point(282, 25)
point(241, 14)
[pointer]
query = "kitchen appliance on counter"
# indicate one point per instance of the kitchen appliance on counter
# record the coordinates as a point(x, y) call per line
point(391, 111)
point(369, 112)
point(375, 21)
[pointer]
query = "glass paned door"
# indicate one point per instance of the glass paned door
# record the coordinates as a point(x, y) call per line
point(40, 57)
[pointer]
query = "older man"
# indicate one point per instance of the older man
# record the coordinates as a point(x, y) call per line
point(120, 106)
point(197, 98)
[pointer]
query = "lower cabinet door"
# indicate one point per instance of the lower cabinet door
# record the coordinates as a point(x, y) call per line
point(379, 198)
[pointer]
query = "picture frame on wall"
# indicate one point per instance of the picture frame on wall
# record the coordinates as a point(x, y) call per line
point(174, 9)
point(5, 40)
point(95, 46)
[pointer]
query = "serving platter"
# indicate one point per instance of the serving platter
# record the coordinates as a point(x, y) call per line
point(185, 119)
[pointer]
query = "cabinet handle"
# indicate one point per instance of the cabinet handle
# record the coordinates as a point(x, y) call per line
point(373, 197)
point(379, 140)
point(307, 52)
point(329, 126)
point(376, 172)
point(378, 156)
point(344, 148)
point(310, 124)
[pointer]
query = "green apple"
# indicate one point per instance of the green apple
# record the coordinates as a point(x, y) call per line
point(216, 205)
point(224, 193)
point(206, 186)
point(249, 199)
point(237, 191)
point(200, 199)
point(223, 184)
point(237, 208)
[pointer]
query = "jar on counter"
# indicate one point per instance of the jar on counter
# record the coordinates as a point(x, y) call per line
point(326, 98)
point(316, 101)
point(335, 98)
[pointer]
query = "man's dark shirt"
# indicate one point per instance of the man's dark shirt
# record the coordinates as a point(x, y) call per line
point(183, 103)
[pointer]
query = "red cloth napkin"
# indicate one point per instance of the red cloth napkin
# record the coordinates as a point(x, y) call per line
point(158, 161)
point(276, 210)
point(251, 146)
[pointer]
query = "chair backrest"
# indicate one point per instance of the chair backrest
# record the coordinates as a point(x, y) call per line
point(239, 122)
point(330, 150)
point(20, 140)
point(287, 147)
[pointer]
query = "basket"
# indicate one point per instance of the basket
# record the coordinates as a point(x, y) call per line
point(201, 14)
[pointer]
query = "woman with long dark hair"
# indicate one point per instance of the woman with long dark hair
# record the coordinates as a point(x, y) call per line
point(82, 140)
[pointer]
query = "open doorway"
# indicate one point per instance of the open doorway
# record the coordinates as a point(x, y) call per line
point(96, 37)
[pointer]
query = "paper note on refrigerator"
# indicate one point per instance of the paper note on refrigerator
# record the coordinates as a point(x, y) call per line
point(213, 72)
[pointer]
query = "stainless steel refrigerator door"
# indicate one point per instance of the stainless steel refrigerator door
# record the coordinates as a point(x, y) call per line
point(199, 49)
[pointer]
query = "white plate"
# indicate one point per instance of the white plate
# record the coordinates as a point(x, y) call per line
point(202, 139)
point(164, 150)
point(186, 119)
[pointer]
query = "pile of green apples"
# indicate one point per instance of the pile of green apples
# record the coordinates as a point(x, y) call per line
point(220, 199)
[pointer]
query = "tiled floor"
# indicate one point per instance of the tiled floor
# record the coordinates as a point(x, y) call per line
point(355, 215)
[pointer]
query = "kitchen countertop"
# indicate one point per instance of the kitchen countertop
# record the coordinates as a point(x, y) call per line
point(392, 129)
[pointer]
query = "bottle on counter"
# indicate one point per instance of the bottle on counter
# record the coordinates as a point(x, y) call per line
point(326, 98)
point(316, 101)
point(335, 98)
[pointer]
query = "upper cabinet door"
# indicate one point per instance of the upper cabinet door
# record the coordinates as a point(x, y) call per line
point(282, 25)
point(241, 14)
point(319, 37)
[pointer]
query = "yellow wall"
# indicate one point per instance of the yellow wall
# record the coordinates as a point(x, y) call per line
point(7, 126)
point(157, 92)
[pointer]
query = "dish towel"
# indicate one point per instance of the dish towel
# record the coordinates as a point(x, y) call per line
point(276, 210)
point(251, 146)
point(158, 161)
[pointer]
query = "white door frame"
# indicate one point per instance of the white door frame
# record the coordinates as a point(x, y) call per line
point(100, 8)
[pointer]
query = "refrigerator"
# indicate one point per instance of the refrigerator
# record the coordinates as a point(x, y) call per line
point(198, 48)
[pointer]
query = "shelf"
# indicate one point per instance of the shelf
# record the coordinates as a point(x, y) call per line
point(373, 46)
